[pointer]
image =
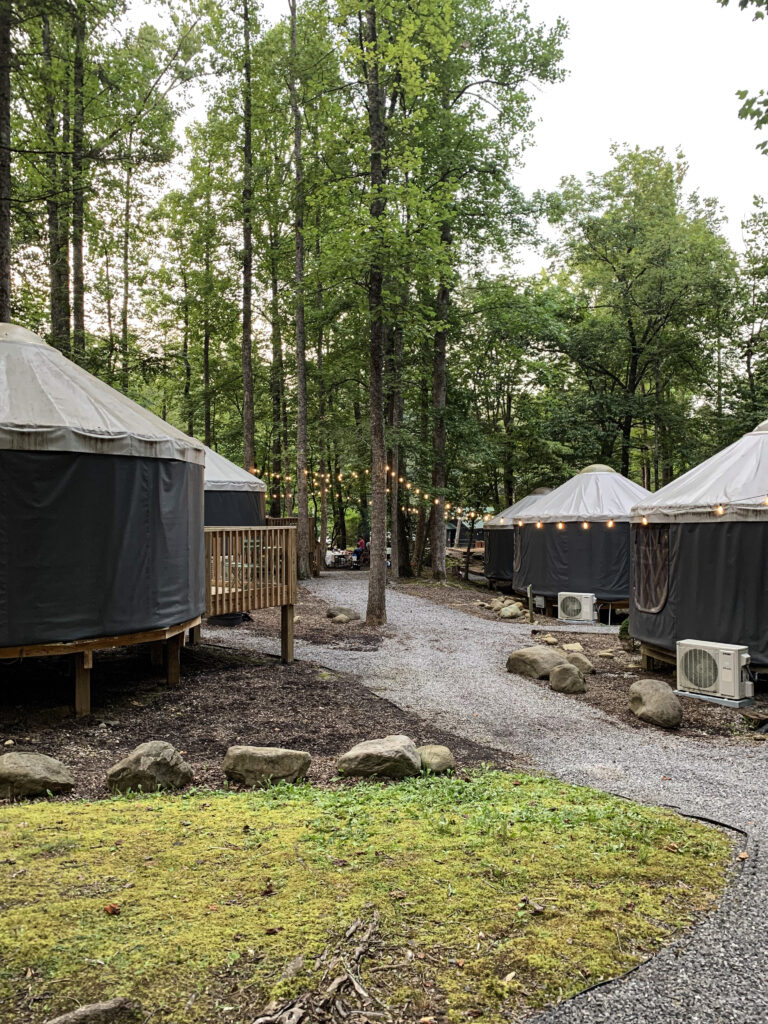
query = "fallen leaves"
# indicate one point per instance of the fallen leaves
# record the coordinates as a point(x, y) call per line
point(113, 909)
point(743, 855)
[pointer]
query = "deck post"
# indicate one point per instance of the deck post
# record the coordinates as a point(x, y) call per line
point(195, 634)
point(286, 634)
point(83, 666)
point(173, 647)
point(156, 652)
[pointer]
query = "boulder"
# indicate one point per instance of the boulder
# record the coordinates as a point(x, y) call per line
point(535, 662)
point(341, 618)
point(510, 611)
point(23, 775)
point(575, 648)
point(337, 610)
point(549, 639)
point(393, 757)
point(581, 661)
point(436, 758)
point(114, 1011)
point(653, 701)
point(153, 765)
point(566, 678)
point(258, 766)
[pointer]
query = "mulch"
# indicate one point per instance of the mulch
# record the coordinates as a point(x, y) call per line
point(226, 697)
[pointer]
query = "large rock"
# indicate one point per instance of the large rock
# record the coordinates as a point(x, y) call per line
point(581, 661)
point(337, 610)
point(23, 775)
point(436, 758)
point(566, 678)
point(535, 662)
point(114, 1011)
point(153, 765)
point(258, 766)
point(393, 757)
point(653, 701)
point(510, 611)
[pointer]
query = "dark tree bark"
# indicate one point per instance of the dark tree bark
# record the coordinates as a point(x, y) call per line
point(247, 363)
point(5, 160)
point(302, 538)
point(276, 382)
point(324, 462)
point(185, 359)
point(377, 580)
point(124, 354)
point(58, 250)
point(439, 390)
point(78, 197)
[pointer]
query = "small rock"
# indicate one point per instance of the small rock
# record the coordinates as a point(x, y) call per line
point(351, 614)
point(535, 662)
point(573, 647)
point(9, 743)
point(436, 758)
point(582, 662)
point(549, 639)
point(605, 654)
point(114, 1011)
point(296, 618)
point(653, 701)
point(393, 757)
point(258, 766)
point(341, 618)
point(151, 766)
point(28, 775)
point(567, 679)
point(510, 611)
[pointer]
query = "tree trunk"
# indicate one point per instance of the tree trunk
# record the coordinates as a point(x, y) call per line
point(78, 198)
point(275, 384)
point(126, 251)
point(302, 537)
point(439, 389)
point(185, 358)
point(247, 363)
point(5, 161)
point(377, 580)
point(324, 463)
point(58, 254)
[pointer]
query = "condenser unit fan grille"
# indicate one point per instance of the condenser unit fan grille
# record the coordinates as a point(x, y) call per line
point(571, 607)
point(700, 668)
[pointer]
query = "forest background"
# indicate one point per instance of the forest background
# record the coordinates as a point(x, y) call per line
point(319, 280)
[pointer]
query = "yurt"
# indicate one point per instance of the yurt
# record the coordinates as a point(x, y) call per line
point(233, 496)
point(576, 538)
point(700, 553)
point(101, 505)
point(500, 538)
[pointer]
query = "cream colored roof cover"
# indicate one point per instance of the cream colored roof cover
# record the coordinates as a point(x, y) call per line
point(597, 495)
point(223, 475)
point(506, 519)
point(735, 480)
point(48, 403)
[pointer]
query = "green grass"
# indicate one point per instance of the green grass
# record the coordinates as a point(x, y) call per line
point(548, 886)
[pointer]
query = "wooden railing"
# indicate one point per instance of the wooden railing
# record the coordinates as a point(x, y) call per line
point(314, 544)
point(249, 567)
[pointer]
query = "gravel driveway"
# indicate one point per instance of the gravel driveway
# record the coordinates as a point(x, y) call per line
point(449, 667)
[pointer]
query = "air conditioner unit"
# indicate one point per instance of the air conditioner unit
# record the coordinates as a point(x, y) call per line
point(576, 607)
point(716, 672)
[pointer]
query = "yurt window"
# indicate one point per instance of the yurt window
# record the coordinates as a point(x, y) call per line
point(651, 564)
point(518, 556)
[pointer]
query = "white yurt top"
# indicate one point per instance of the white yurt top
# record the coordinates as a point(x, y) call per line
point(506, 519)
point(48, 403)
point(223, 475)
point(732, 485)
point(596, 494)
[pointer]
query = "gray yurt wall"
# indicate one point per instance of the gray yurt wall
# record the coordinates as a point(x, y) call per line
point(101, 505)
point(233, 496)
point(499, 561)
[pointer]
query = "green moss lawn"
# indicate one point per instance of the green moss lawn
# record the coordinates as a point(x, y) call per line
point(477, 898)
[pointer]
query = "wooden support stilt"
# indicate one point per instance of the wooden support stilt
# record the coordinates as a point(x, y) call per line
point(157, 653)
point(286, 634)
point(83, 666)
point(195, 634)
point(173, 647)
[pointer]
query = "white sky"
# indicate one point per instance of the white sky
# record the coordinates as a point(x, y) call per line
point(646, 72)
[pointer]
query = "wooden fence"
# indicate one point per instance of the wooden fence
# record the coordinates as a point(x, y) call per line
point(249, 567)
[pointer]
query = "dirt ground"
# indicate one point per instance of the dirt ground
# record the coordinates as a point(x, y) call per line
point(226, 697)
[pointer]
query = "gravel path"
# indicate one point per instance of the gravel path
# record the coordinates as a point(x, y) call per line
point(448, 667)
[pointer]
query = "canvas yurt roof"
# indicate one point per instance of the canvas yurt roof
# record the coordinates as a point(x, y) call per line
point(223, 475)
point(506, 519)
point(732, 485)
point(596, 494)
point(48, 403)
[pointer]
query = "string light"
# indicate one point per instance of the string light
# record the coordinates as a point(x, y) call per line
point(644, 521)
point(539, 525)
point(610, 523)
point(561, 526)
point(719, 511)
point(585, 526)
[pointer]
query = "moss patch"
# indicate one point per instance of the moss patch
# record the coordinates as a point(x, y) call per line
point(492, 894)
